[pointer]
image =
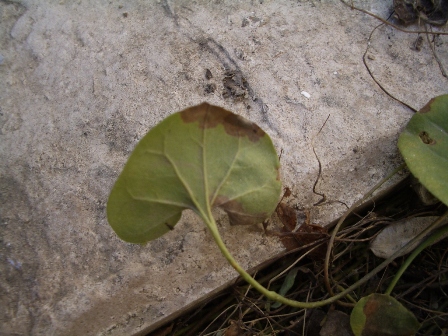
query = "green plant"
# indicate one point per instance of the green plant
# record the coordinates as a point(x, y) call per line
point(202, 157)
point(424, 147)
point(195, 159)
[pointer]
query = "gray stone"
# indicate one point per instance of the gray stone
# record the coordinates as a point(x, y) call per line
point(82, 82)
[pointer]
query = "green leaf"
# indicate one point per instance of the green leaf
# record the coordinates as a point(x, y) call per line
point(195, 159)
point(287, 285)
point(380, 314)
point(424, 146)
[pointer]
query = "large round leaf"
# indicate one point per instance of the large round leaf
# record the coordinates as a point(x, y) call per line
point(424, 146)
point(195, 159)
point(380, 314)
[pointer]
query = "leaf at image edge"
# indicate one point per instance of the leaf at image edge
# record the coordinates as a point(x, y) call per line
point(380, 314)
point(424, 146)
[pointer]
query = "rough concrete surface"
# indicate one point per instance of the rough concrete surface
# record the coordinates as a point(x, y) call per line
point(82, 81)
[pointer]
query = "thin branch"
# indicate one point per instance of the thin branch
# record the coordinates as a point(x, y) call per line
point(324, 198)
point(433, 49)
point(373, 77)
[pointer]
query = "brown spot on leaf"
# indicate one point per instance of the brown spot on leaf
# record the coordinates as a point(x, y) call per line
point(210, 116)
point(424, 136)
point(236, 213)
point(371, 307)
point(427, 107)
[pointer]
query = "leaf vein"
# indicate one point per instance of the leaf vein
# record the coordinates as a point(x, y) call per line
point(255, 190)
point(181, 179)
point(160, 201)
point(229, 171)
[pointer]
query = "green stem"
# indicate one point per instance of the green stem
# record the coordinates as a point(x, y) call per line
point(271, 295)
point(431, 240)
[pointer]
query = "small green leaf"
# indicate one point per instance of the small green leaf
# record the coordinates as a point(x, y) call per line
point(380, 314)
point(287, 285)
point(424, 146)
point(195, 159)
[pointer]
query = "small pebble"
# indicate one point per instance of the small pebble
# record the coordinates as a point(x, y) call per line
point(306, 94)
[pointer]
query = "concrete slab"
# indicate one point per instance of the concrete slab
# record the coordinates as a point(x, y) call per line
point(81, 82)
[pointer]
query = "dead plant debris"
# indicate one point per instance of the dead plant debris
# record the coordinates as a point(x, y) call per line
point(434, 12)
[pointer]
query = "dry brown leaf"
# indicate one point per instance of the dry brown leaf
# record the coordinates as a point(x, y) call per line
point(306, 234)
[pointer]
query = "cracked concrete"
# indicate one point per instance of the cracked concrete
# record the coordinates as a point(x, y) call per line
point(81, 82)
